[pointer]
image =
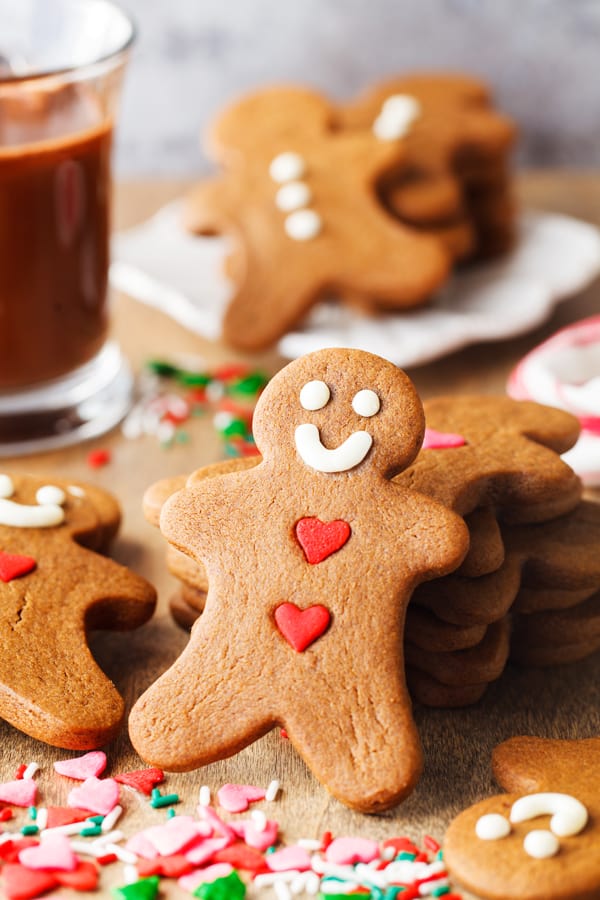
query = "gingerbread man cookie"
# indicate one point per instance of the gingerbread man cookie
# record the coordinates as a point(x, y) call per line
point(53, 589)
point(299, 200)
point(311, 558)
point(541, 841)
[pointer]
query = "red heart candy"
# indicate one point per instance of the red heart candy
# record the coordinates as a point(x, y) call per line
point(320, 539)
point(12, 565)
point(300, 627)
point(83, 878)
point(142, 779)
point(22, 884)
point(60, 815)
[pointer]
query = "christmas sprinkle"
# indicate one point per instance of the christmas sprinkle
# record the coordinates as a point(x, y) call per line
point(209, 856)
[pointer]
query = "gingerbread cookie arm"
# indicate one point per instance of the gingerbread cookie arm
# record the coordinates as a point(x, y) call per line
point(530, 764)
point(121, 600)
point(158, 493)
point(210, 208)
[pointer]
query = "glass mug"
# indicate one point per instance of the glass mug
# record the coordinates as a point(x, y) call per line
point(61, 68)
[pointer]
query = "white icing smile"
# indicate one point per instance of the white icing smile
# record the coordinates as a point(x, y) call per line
point(340, 459)
point(49, 512)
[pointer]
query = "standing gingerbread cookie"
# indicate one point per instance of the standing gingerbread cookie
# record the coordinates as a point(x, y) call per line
point(311, 557)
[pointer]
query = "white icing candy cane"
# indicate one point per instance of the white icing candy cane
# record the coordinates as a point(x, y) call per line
point(569, 815)
point(340, 459)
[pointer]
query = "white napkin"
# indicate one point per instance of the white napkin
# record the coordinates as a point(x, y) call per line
point(556, 256)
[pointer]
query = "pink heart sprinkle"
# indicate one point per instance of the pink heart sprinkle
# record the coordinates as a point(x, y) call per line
point(347, 851)
point(441, 440)
point(141, 846)
point(174, 836)
point(19, 793)
point(237, 797)
point(98, 795)
point(205, 851)
point(255, 837)
point(211, 873)
point(293, 857)
point(211, 818)
point(53, 854)
point(82, 767)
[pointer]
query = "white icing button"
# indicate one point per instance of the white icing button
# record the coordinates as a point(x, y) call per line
point(366, 403)
point(314, 395)
point(293, 195)
point(49, 493)
point(569, 815)
point(541, 844)
point(287, 167)
point(7, 487)
point(340, 459)
point(303, 225)
point(492, 827)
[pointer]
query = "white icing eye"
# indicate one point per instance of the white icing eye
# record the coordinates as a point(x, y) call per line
point(293, 195)
point(50, 494)
point(396, 117)
point(366, 403)
point(314, 395)
point(287, 167)
point(76, 490)
point(302, 225)
point(7, 487)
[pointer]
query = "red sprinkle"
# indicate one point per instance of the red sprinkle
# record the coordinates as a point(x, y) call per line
point(240, 856)
point(6, 814)
point(106, 859)
point(326, 839)
point(142, 780)
point(228, 372)
point(430, 843)
point(20, 772)
point(284, 734)
point(402, 845)
point(98, 458)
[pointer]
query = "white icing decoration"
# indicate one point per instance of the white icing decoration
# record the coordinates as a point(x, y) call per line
point(492, 827)
point(346, 456)
point(76, 490)
point(293, 195)
point(19, 516)
point(314, 395)
point(7, 487)
point(366, 403)
point(50, 494)
point(541, 844)
point(287, 167)
point(569, 816)
point(303, 225)
point(396, 117)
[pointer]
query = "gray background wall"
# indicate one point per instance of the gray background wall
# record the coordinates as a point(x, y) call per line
point(542, 57)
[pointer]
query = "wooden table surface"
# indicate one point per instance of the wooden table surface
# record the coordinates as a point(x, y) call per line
point(560, 702)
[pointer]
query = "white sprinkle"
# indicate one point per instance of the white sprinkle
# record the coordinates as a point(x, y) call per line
point(130, 874)
point(222, 420)
point(111, 837)
point(83, 847)
point(41, 820)
point(298, 885)
point(111, 819)
point(204, 795)
point(133, 426)
point(31, 769)
point(282, 891)
point(388, 853)
point(165, 432)
point(309, 844)
point(259, 819)
point(312, 883)
point(126, 856)
point(426, 889)
point(71, 828)
point(272, 791)
point(268, 879)
point(215, 390)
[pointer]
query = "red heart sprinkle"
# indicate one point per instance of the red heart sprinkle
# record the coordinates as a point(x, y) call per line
point(142, 779)
point(24, 884)
point(300, 627)
point(60, 815)
point(83, 878)
point(12, 565)
point(320, 539)
point(441, 440)
point(169, 866)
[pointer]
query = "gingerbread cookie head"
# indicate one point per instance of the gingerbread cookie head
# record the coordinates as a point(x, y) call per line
point(539, 845)
point(53, 588)
point(338, 411)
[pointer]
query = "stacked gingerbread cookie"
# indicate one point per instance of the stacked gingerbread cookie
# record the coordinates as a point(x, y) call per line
point(371, 203)
point(527, 588)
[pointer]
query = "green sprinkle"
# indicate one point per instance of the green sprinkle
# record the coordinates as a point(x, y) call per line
point(406, 855)
point(198, 410)
point(155, 793)
point(91, 831)
point(271, 849)
point(96, 820)
point(439, 854)
point(440, 891)
point(236, 428)
point(29, 830)
point(393, 892)
point(193, 379)
point(165, 800)
point(230, 888)
point(182, 437)
point(231, 450)
point(252, 384)
point(32, 813)
point(164, 369)
point(144, 889)
point(377, 894)
point(170, 813)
